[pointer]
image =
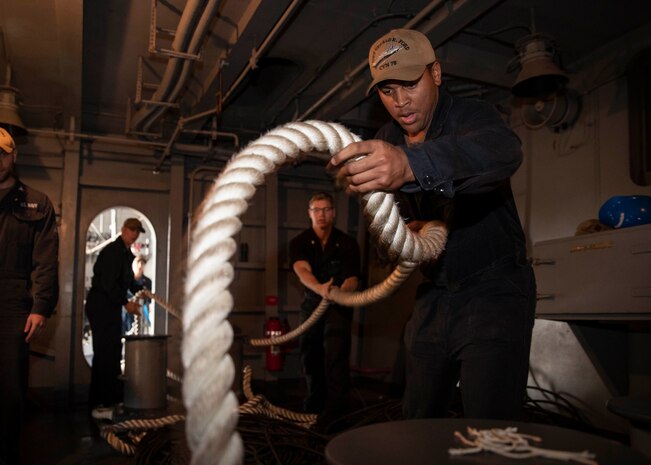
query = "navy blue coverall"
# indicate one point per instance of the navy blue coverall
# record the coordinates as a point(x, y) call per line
point(29, 245)
point(474, 313)
point(112, 278)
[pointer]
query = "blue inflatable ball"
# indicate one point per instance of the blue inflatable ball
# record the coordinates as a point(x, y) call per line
point(624, 211)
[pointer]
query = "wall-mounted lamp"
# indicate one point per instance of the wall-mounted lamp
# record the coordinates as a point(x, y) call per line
point(9, 116)
point(540, 75)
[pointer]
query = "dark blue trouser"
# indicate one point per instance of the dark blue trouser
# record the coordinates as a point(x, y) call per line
point(325, 355)
point(15, 304)
point(478, 336)
point(106, 325)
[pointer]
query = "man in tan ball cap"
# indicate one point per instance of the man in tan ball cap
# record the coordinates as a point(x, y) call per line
point(450, 160)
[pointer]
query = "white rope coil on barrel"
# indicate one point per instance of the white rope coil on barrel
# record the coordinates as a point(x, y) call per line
point(212, 408)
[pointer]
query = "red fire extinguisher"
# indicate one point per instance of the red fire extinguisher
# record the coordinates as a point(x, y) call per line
point(274, 354)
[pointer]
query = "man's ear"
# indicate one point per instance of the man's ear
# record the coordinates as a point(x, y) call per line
point(436, 73)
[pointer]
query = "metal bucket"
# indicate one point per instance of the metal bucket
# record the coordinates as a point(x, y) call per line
point(145, 372)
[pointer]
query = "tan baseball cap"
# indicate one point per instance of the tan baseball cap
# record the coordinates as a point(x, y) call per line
point(6, 141)
point(400, 54)
point(134, 224)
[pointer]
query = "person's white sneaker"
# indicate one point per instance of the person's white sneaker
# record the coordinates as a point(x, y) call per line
point(102, 413)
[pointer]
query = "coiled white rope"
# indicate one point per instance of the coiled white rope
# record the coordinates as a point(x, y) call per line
point(211, 406)
point(509, 443)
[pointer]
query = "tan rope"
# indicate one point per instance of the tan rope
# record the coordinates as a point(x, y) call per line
point(260, 405)
point(247, 374)
point(159, 300)
point(211, 406)
point(255, 404)
point(137, 429)
point(349, 299)
point(307, 324)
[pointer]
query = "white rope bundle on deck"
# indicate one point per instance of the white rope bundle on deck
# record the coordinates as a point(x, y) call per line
point(212, 408)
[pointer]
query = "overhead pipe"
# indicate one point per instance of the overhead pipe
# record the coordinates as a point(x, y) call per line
point(362, 66)
point(256, 52)
point(179, 129)
point(182, 148)
point(71, 135)
point(173, 71)
point(210, 132)
point(194, 46)
point(182, 39)
point(180, 72)
point(337, 54)
point(250, 66)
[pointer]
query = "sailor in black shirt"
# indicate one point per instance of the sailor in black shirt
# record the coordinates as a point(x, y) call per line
point(324, 257)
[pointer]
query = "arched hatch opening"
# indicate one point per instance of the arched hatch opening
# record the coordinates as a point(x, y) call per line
point(104, 229)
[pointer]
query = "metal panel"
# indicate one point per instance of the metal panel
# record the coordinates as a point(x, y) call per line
point(604, 275)
point(560, 364)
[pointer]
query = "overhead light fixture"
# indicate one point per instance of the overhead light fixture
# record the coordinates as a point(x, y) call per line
point(539, 75)
point(9, 111)
point(9, 117)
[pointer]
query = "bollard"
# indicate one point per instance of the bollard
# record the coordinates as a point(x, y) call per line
point(145, 372)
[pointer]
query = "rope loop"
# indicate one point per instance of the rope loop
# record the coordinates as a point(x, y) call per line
point(211, 406)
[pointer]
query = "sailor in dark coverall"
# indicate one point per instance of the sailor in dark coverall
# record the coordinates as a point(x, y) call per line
point(450, 159)
point(324, 257)
point(29, 289)
point(112, 278)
